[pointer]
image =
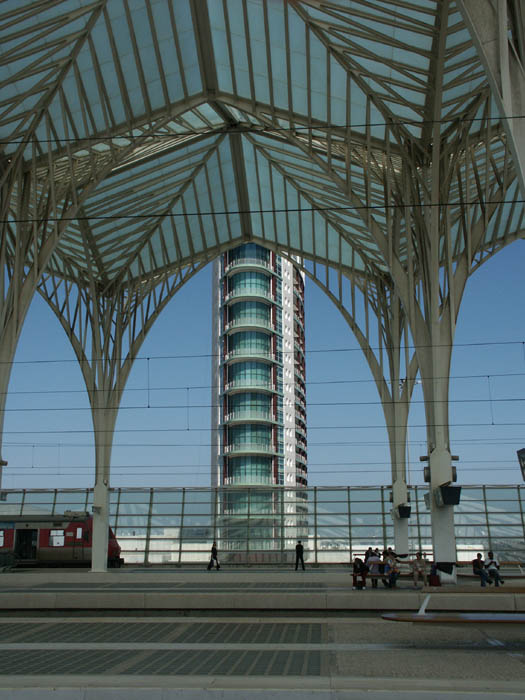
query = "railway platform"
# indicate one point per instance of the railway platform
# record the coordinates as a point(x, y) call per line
point(180, 634)
point(172, 590)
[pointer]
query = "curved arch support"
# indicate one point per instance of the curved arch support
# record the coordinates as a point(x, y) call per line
point(117, 323)
point(386, 355)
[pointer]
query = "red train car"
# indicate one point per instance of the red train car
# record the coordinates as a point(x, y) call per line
point(53, 540)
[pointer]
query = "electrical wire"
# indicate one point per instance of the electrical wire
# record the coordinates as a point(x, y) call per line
point(254, 128)
point(140, 358)
point(323, 465)
point(332, 443)
point(163, 407)
point(241, 212)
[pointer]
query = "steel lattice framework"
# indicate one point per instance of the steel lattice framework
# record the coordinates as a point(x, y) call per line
point(381, 141)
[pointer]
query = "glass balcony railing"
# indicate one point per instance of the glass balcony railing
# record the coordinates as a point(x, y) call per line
point(248, 262)
point(301, 431)
point(248, 447)
point(249, 292)
point(244, 480)
point(299, 390)
point(247, 383)
point(248, 352)
point(249, 323)
point(249, 415)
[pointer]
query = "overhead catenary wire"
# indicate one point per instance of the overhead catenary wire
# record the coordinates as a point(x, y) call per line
point(271, 210)
point(331, 443)
point(196, 387)
point(323, 465)
point(185, 407)
point(263, 128)
point(64, 472)
point(315, 351)
point(353, 443)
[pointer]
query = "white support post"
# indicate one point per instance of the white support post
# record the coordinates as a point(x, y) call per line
point(5, 373)
point(99, 554)
point(399, 498)
point(443, 533)
point(435, 367)
point(104, 425)
point(8, 343)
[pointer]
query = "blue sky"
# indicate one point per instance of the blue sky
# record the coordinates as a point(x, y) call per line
point(163, 436)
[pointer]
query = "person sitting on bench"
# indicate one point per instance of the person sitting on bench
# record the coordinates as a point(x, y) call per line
point(492, 566)
point(391, 570)
point(359, 569)
point(373, 562)
point(478, 568)
point(419, 569)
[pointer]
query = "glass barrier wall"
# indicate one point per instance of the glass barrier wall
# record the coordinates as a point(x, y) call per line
point(261, 525)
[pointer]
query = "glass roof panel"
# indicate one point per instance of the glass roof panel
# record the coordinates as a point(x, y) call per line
point(291, 67)
point(167, 49)
point(220, 46)
point(120, 56)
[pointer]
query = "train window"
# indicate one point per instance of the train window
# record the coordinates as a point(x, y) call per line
point(56, 538)
point(1, 538)
point(79, 533)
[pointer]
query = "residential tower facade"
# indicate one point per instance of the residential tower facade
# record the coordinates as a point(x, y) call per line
point(259, 394)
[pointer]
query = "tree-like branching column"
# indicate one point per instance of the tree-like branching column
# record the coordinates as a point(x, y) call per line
point(437, 195)
point(457, 205)
point(43, 188)
point(373, 311)
point(106, 327)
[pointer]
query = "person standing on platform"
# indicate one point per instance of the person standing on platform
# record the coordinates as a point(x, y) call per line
point(299, 554)
point(214, 559)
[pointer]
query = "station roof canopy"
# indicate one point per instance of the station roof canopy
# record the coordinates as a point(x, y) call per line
point(159, 132)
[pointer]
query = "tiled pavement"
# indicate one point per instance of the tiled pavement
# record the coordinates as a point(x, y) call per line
point(227, 655)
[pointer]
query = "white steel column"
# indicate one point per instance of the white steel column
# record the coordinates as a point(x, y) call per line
point(106, 330)
point(435, 365)
point(104, 425)
point(500, 48)
point(383, 340)
point(397, 438)
point(441, 326)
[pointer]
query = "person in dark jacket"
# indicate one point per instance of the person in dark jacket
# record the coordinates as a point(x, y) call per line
point(478, 569)
point(359, 569)
point(214, 559)
point(373, 562)
point(299, 554)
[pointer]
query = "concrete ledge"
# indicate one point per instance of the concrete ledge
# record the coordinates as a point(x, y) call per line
point(474, 602)
point(25, 601)
point(236, 590)
point(354, 600)
point(100, 601)
point(373, 600)
point(331, 687)
point(520, 601)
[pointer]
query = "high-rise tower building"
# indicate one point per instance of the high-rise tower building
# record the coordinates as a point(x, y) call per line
point(259, 399)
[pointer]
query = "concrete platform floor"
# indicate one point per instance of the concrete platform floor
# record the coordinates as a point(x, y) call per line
point(229, 658)
point(178, 634)
point(144, 591)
